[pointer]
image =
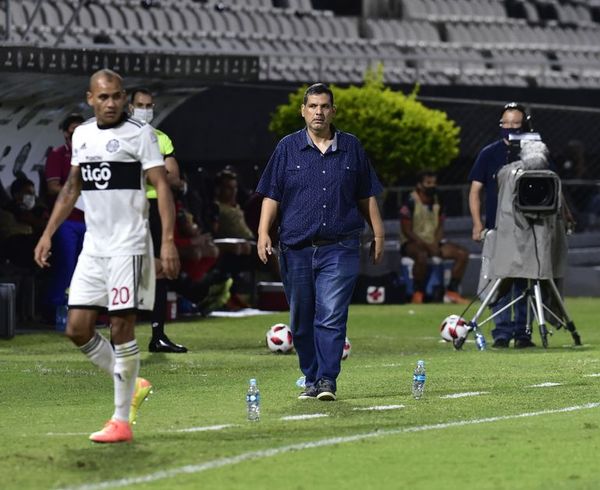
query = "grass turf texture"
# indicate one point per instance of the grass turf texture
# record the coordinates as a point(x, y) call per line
point(49, 387)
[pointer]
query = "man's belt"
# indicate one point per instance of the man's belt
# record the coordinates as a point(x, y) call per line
point(320, 242)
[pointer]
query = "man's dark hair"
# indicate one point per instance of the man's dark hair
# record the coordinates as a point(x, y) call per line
point(224, 175)
point(140, 90)
point(423, 174)
point(70, 119)
point(19, 184)
point(317, 89)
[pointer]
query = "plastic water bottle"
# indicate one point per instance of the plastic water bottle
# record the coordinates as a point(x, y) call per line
point(301, 382)
point(480, 341)
point(61, 318)
point(253, 401)
point(418, 380)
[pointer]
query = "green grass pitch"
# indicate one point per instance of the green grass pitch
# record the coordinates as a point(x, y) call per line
point(483, 423)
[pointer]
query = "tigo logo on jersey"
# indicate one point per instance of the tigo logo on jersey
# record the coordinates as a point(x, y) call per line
point(100, 176)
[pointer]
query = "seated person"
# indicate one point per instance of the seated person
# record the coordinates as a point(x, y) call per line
point(199, 281)
point(422, 237)
point(238, 256)
point(21, 222)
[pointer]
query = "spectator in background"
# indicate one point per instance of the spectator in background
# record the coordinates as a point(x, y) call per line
point(22, 221)
point(24, 206)
point(422, 236)
point(141, 107)
point(68, 239)
point(199, 282)
point(237, 256)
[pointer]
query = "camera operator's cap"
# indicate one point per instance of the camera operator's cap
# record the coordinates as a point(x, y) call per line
point(516, 106)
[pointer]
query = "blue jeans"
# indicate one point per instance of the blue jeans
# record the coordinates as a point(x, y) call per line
point(511, 323)
point(318, 283)
point(66, 247)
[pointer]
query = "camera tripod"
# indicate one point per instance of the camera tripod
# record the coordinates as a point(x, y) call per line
point(536, 309)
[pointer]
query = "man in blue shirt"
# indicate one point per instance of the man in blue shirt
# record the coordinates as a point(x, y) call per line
point(321, 186)
point(514, 119)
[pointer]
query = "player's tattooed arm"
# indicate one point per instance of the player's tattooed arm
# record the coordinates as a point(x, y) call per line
point(72, 188)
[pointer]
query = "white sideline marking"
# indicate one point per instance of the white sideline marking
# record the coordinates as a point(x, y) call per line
point(304, 417)
point(593, 375)
point(468, 393)
point(68, 433)
point(201, 429)
point(544, 385)
point(380, 407)
point(268, 453)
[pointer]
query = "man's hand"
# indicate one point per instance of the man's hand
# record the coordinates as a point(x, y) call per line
point(264, 247)
point(42, 252)
point(376, 250)
point(477, 229)
point(169, 260)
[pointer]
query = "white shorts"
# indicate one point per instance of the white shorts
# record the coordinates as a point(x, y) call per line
point(116, 283)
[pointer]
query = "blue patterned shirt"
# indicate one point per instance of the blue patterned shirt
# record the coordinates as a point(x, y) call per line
point(318, 193)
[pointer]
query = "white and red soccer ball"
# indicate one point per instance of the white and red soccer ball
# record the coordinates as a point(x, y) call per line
point(453, 327)
point(347, 349)
point(280, 339)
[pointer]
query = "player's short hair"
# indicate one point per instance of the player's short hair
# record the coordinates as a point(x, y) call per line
point(317, 89)
point(105, 73)
point(74, 117)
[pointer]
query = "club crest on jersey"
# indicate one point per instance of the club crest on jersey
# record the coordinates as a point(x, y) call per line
point(112, 146)
point(98, 175)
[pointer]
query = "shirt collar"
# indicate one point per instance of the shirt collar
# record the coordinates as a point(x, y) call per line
point(305, 140)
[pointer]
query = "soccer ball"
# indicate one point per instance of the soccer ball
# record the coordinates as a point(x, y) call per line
point(347, 349)
point(279, 338)
point(453, 327)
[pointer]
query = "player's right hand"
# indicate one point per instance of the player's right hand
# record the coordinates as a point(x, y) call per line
point(42, 252)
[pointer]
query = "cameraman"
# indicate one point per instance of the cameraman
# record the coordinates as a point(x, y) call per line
point(513, 120)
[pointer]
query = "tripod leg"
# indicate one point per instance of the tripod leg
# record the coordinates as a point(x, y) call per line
point(537, 289)
point(570, 326)
point(472, 325)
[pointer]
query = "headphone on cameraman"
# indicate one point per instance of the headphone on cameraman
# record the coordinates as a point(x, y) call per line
point(515, 106)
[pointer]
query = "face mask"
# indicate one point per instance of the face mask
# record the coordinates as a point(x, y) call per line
point(144, 115)
point(430, 191)
point(28, 202)
point(505, 132)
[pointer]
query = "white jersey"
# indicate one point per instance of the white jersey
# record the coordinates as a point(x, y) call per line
point(112, 162)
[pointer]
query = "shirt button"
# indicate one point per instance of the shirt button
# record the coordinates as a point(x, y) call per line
point(323, 171)
point(324, 188)
point(324, 205)
point(297, 166)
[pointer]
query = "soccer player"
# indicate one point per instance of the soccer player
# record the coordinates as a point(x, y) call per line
point(112, 156)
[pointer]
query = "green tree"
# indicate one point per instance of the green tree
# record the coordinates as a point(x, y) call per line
point(400, 134)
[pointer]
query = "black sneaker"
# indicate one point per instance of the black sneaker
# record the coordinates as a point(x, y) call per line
point(164, 344)
point(326, 391)
point(500, 343)
point(523, 343)
point(309, 393)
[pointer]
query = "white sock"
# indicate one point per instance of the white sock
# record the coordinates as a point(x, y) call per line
point(127, 367)
point(100, 352)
